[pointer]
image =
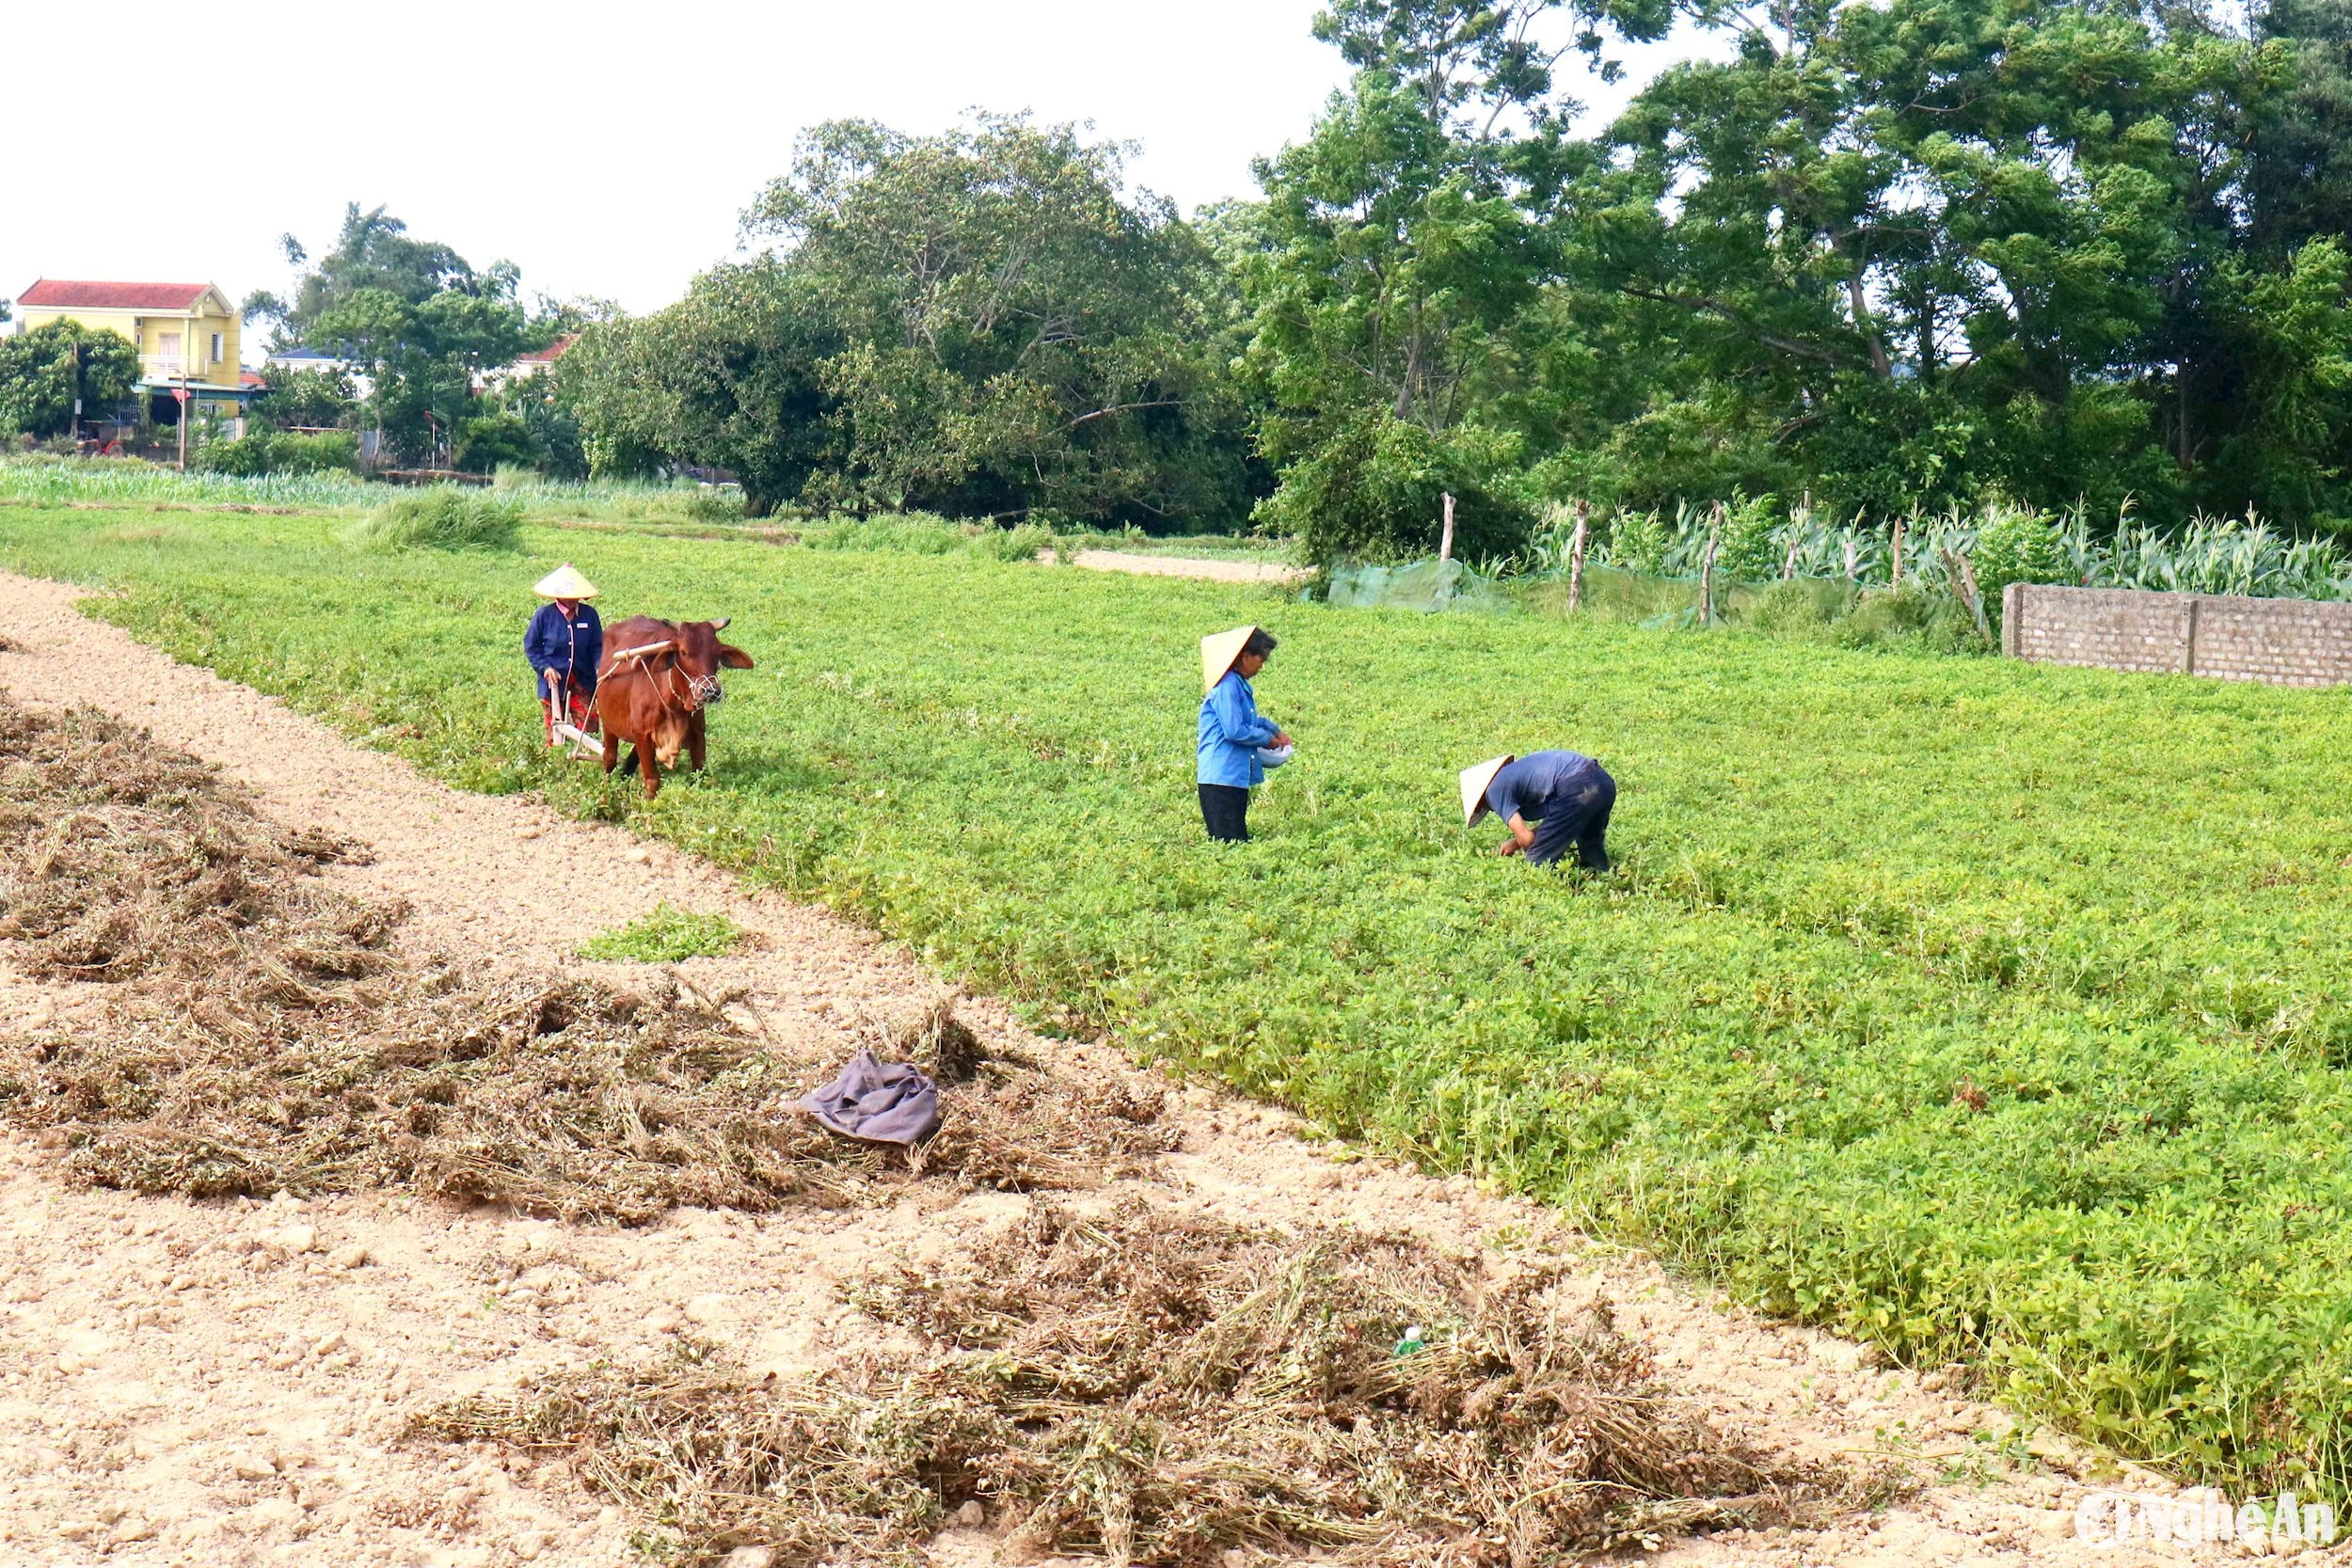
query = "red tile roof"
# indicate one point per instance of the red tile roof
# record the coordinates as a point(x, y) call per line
point(62, 293)
point(550, 353)
point(250, 378)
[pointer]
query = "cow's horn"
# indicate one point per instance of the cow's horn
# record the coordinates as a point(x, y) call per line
point(721, 624)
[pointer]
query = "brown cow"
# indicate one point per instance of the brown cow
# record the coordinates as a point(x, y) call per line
point(652, 686)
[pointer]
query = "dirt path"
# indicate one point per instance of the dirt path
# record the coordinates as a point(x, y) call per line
point(1208, 568)
point(226, 1382)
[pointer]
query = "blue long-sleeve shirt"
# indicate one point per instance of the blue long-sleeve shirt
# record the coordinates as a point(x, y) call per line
point(564, 648)
point(1231, 734)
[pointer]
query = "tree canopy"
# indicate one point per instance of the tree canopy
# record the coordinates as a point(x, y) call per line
point(1897, 257)
point(413, 315)
point(984, 322)
point(44, 371)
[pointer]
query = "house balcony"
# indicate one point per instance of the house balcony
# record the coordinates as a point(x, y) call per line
point(160, 370)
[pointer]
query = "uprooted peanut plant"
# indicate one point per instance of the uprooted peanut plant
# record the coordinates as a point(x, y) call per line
point(1160, 1388)
point(264, 1033)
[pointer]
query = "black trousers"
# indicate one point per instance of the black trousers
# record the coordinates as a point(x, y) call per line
point(1582, 820)
point(1226, 809)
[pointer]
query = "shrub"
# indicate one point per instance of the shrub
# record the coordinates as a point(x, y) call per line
point(719, 505)
point(1638, 542)
point(1913, 615)
point(1749, 549)
point(279, 451)
point(1376, 489)
point(1797, 609)
point(2017, 544)
point(491, 441)
point(1014, 543)
point(441, 518)
point(925, 533)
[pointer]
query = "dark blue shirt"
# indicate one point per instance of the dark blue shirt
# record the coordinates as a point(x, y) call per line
point(560, 648)
point(1527, 788)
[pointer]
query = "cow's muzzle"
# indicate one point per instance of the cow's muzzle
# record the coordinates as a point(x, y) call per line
point(707, 691)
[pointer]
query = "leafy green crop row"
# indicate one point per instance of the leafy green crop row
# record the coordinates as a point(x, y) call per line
point(1984, 1010)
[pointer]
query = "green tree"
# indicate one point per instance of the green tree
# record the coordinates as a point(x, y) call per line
point(563, 445)
point(373, 253)
point(729, 377)
point(44, 371)
point(1400, 257)
point(414, 315)
point(2298, 183)
point(1018, 333)
point(307, 398)
point(495, 439)
point(1904, 253)
point(2286, 332)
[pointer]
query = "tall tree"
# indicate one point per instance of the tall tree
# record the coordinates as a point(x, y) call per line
point(1399, 252)
point(2299, 184)
point(729, 377)
point(372, 253)
point(414, 315)
point(1904, 252)
point(1019, 332)
point(44, 371)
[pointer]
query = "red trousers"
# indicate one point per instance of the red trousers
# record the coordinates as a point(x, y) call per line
point(582, 716)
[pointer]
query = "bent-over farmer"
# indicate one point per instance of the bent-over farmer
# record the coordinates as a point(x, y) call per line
point(1233, 738)
point(563, 644)
point(1549, 800)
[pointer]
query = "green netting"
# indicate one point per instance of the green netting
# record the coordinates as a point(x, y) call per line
point(1423, 585)
point(1674, 601)
point(1823, 609)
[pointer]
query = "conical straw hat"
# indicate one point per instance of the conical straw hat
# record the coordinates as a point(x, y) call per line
point(565, 582)
point(1474, 782)
point(1218, 653)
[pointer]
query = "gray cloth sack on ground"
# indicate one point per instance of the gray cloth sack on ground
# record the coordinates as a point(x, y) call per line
point(880, 1104)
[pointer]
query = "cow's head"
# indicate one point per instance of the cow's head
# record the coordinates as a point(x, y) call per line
point(701, 655)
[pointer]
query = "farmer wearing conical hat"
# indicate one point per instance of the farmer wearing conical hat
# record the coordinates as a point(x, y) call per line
point(1236, 746)
point(1549, 800)
point(563, 644)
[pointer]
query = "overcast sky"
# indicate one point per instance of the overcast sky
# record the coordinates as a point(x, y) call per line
point(605, 148)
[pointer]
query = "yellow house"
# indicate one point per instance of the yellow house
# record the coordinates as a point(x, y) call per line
point(186, 334)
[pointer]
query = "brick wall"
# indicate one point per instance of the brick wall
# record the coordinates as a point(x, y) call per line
point(2280, 642)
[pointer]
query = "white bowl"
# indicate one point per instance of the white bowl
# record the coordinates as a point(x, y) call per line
point(1274, 756)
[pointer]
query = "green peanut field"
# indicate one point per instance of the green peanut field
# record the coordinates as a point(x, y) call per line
point(1993, 1013)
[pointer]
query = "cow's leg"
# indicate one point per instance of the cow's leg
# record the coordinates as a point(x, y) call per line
point(612, 750)
point(694, 740)
point(651, 768)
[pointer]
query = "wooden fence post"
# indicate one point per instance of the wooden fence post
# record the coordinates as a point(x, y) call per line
point(1896, 580)
point(1707, 569)
point(1965, 578)
point(1445, 541)
point(1576, 558)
